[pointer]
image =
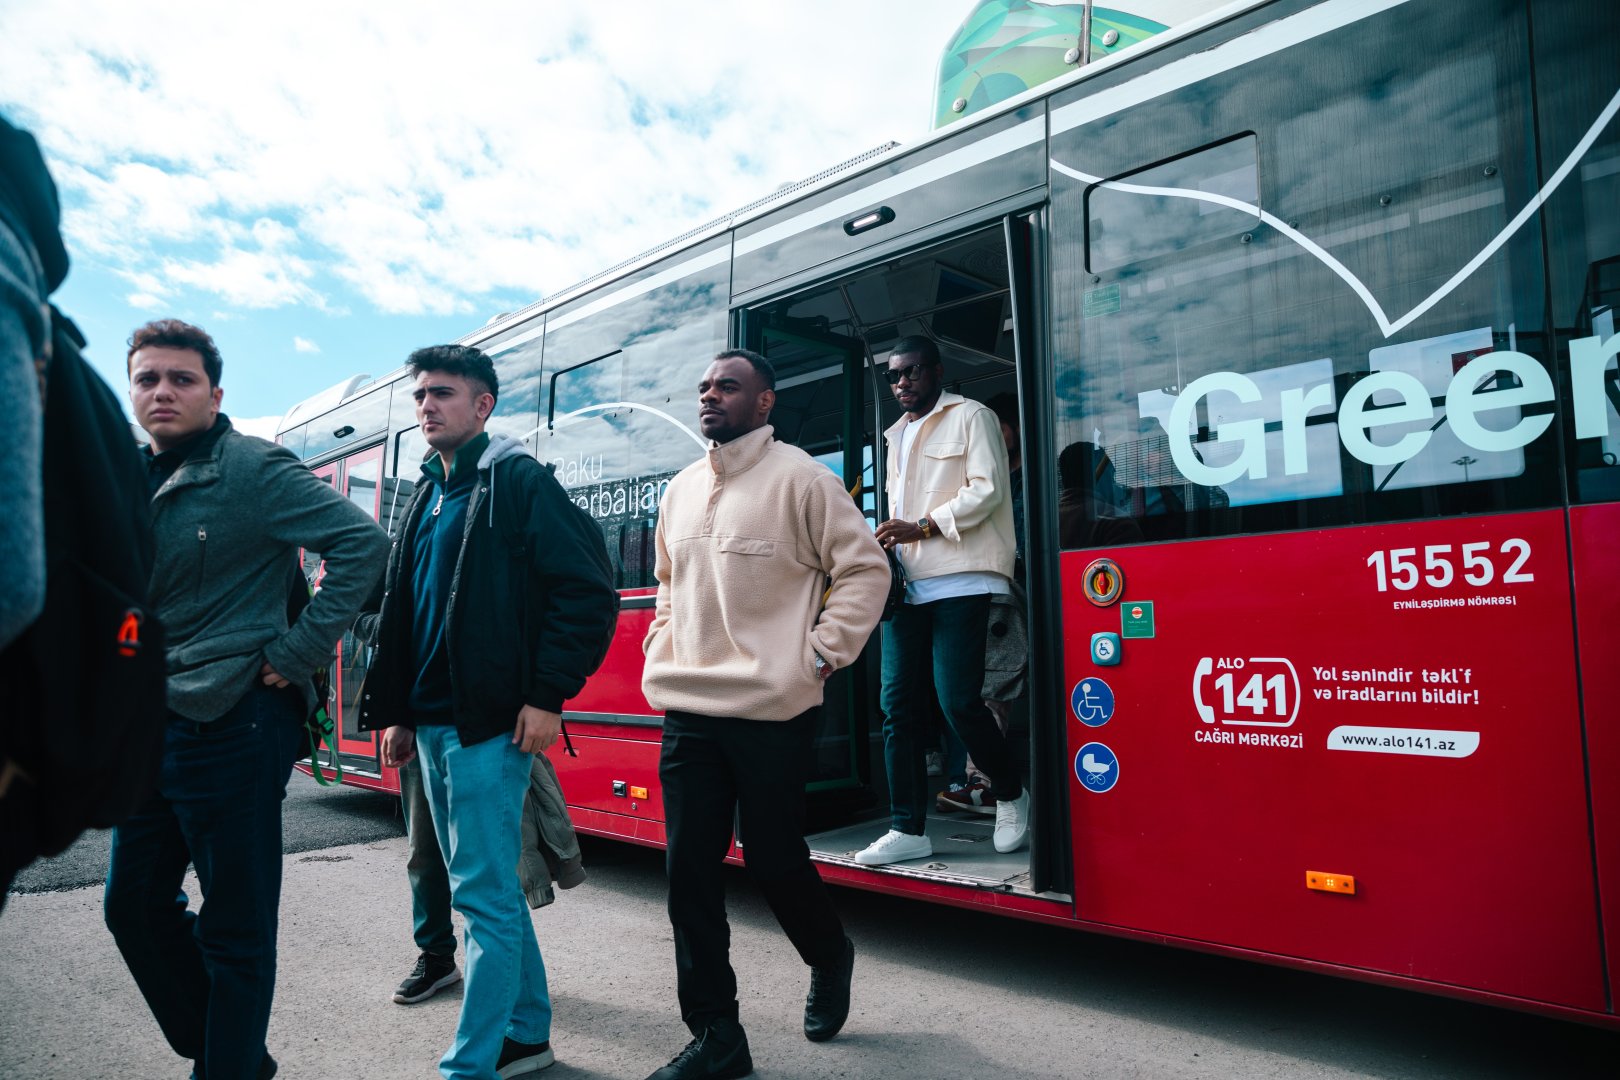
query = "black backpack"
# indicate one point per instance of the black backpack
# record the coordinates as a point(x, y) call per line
point(83, 687)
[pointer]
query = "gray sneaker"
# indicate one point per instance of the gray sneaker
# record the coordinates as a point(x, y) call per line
point(431, 974)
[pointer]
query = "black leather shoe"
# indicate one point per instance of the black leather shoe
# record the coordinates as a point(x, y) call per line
point(827, 1007)
point(267, 1069)
point(720, 1052)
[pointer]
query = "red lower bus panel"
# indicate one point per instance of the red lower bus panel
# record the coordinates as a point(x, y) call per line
point(609, 774)
point(1594, 533)
point(1288, 717)
point(387, 783)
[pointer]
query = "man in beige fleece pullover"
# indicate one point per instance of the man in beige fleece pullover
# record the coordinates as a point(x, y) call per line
point(746, 632)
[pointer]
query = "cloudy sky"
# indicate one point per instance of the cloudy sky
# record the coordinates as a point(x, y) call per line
point(325, 186)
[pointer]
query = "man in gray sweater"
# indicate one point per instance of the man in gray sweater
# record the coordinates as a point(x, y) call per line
point(229, 513)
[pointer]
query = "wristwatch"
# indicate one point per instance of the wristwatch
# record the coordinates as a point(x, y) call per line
point(926, 526)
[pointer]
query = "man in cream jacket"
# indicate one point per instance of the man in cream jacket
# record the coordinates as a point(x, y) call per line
point(769, 580)
point(951, 525)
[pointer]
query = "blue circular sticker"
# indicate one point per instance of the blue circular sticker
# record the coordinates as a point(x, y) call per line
point(1092, 701)
point(1096, 767)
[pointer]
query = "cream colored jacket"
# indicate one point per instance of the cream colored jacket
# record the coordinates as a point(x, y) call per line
point(956, 476)
point(747, 539)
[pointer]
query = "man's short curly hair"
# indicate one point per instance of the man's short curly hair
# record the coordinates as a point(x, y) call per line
point(464, 360)
point(174, 334)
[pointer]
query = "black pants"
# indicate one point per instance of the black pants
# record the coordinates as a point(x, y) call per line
point(714, 769)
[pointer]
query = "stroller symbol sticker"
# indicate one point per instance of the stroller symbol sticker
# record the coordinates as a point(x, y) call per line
point(1092, 701)
point(1096, 767)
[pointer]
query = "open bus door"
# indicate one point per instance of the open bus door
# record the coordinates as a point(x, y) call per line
point(358, 477)
point(819, 408)
point(973, 294)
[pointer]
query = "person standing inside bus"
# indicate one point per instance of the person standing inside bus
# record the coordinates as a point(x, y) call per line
point(497, 604)
point(229, 513)
point(769, 580)
point(951, 524)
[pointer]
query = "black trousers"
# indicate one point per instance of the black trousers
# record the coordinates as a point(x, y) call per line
point(714, 770)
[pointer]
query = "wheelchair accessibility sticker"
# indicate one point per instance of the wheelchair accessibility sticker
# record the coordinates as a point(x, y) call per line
point(1096, 767)
point(1092, 701)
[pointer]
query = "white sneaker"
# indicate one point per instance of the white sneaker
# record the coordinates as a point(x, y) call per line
point(894, 846)
point(936, 762)
point(1012, 823)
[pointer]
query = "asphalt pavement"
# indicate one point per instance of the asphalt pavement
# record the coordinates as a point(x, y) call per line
point(938, 992)
point(313, 817)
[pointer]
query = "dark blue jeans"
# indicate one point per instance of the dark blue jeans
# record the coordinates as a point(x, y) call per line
point(208, 977)
point(928, 649)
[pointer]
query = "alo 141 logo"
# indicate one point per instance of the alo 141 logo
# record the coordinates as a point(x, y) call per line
point(1256, 691)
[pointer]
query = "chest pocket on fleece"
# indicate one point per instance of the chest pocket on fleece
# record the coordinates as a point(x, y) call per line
point(747, 545)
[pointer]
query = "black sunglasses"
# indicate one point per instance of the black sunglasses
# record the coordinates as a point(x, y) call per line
point(894, 375)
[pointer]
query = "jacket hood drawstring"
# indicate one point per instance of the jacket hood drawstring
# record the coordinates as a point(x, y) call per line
point(500, 448)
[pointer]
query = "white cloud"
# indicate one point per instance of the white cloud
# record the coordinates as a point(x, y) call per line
point(262, 426)
point(304, 345)
point(428, 161)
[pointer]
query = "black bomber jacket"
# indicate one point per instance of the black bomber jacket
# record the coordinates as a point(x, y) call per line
point(532, 605)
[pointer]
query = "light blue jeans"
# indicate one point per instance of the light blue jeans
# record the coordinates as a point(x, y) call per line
point(476, 796)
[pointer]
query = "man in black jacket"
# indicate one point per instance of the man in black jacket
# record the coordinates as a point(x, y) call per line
point(496, 606)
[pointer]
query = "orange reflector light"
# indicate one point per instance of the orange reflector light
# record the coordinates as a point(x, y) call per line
point(638, 793)
point(1339, 883)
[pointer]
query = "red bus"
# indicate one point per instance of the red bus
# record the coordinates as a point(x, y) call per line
point(1309, 312)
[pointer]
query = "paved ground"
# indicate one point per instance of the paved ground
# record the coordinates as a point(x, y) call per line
point(938, 993)
point(312, 818)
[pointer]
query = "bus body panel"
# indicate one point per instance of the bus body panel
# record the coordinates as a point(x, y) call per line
point(1058, 914)
point(1593, 530)
point(387, 783)
point(608, 775)
point(616, 687)
point(1259, 751)
point(1289, 718)
point(945, 179)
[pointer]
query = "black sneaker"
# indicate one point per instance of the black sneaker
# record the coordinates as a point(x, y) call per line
point(720, 1052)
point(431, 974)
point(267, 1069)
point(827, 1006)
point(521, 1059)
